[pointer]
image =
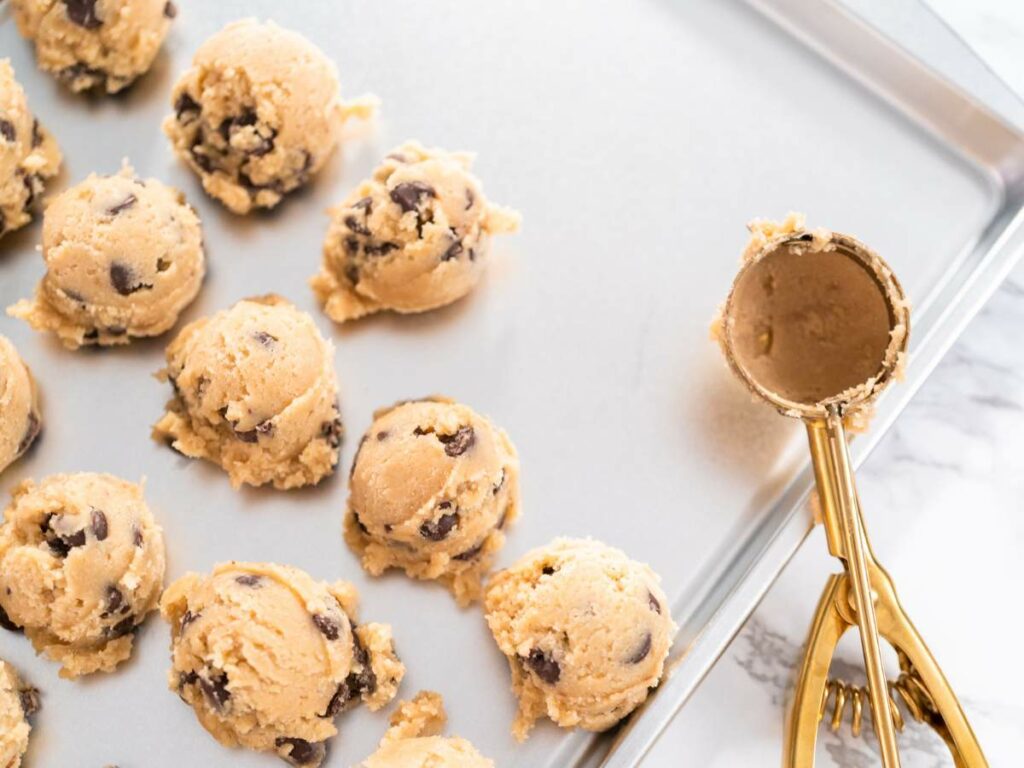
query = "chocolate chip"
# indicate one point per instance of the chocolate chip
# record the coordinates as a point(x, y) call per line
point(137, 536)
point(170, 10)
point(265, 428)
point(187, 618)
point(122, 628)
point(83, 13)
point(37, 133)
point(99, 525)
point(29, 699)
point(470, 198)
point(186, 107)
point(544, 666)
point(266, 339)
point(31, 432)
point(331, 432)
point(409, 194)
point(382, 435)
point(364, 204)
point(122, 277)
point(250, 580)
point(115, 601)
point(437, 530)
point(7, 129)
point(382, 249)
point(302, 752)
point(60, 544)
point(247, 436)
point(6, 623)
point(33, 186)
point(641, 651)
point(162, 264)
point(215, 689)
point(79, 72)
point(469, 554)
point(453, 252)
point(359, 682)
point(124, 205)
point(472, 255)
point(187, 678)
point(327, 626)
point(351, 245)
point(459, 443)
point(342, 696)
point(547, 570)
point(356, 226)
point(653, 602)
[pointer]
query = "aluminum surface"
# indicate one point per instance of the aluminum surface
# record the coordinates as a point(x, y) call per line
point(636, 141)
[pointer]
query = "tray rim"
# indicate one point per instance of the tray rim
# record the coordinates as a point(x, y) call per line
point(989, 145)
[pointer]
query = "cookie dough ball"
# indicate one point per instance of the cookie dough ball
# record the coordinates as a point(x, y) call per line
point(102, 44)
point(586, 631)
point(19, 404)
point(28, 154)
point(123, 258)
point(266, 657)
point(255, 392)
point(413, 237)
point(17, 702)
point(258, 114)
point(413, 740)
point(81, 564)
point(433, 484)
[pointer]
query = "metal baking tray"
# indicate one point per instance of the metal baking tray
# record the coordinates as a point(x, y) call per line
point(636, 138)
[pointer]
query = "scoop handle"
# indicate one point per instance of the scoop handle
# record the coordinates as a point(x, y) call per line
point(844, 529)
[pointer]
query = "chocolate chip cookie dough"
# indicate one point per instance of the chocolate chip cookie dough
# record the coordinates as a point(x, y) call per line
point(81, 564)
point(433, 485)
point(586, 631)
point(413, 237)
point(258, 113)
point(18, 702)
point(101, 44)
point(28, 154)
point(267, 657)
point(255, 392)
point(20, 419)
point(414, 740)
point(124, 256)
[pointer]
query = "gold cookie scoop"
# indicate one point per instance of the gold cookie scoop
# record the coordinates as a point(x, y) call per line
point(816, 324)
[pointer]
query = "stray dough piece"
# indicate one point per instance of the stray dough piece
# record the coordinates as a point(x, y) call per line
point(258, 113)
point(28, 154)
point(17, 703)
point(586, 631)
point(20, 419)
point(433, 485)
point(267, 657)
point(255, 392)
point(81, 564)
point(101, 44)
point(413, 237)
point(414, 741)
point(124, 256)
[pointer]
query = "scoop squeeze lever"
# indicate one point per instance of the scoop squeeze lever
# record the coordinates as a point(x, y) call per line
point(816, 324)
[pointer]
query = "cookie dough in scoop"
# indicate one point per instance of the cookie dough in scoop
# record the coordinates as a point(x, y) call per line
point(414, 740)
point(18, 702)
point(586, 631)
point(28, 154)
point(413, 237)
point(267, 657)
point(81, 564)
point(19, 405)
point(255, 392)
point(258, 113)
point(433, 486)
point(95, 44)
point(124, 257)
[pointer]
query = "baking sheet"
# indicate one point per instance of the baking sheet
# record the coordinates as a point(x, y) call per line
point(636, 139)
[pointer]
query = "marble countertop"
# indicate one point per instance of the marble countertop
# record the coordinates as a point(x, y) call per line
point(943, 497)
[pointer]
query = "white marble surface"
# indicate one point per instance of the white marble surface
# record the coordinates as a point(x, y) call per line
point(943, 497)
